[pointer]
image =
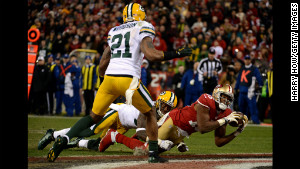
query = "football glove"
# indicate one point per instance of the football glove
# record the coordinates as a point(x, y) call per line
point(184, 51)
point(165, 144)
point(230, 118)
point(182, 147)
point(242, 126)
point(181, 52)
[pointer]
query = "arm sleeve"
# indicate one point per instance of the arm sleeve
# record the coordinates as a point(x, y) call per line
point(147, 29)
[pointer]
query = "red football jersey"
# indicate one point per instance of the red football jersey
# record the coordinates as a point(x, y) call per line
point(186, 118)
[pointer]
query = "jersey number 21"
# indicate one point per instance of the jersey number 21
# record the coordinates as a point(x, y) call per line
point(118, 38)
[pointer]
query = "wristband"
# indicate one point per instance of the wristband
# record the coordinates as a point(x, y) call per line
point(168, 55)
point(140, 129)
point(222, 121)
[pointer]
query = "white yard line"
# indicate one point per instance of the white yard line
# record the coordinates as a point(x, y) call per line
point(241, 165)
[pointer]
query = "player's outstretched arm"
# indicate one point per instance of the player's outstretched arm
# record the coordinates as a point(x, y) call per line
point(152, 54)
point(221, 139)
point(203, 120)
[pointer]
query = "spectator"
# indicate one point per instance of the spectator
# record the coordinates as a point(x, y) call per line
point(43, 49)
point(189, 61)
point(88, 79)
point(191, 85)
point(245, 84)
point(39, 86)
point(97, 58)
point(159, 43)
point(228, 77)
point(58, 45)
point(60, 72)
point(145, 73)
point(51, 85)
point(180, 41)
point(76, 82)
point(176, 85)
point(241, 14)
point(251, 11)
point(207, 39)
point(209, 70)
point(250, 41)
point(238, 45)
point(75, 43)
point(203, 52)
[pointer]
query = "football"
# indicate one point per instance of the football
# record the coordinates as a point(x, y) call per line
point(240, 121)
point(234, 124)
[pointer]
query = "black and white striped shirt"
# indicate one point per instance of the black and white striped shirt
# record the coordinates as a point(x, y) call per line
point(209, 66)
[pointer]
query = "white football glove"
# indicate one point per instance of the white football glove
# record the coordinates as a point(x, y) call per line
point(165, 144)
point(182, 147)
point(230, 118)
point(242, 126)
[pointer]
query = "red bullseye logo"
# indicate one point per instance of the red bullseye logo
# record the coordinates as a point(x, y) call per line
point(33, 34)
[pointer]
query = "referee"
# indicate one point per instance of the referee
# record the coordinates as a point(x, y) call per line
point(209, 69)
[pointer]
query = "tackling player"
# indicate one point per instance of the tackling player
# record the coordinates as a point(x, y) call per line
point(120, 67)
point(208, 113)
point(120, 117)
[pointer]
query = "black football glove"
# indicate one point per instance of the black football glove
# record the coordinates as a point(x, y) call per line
point(184, 51)
point(181, 52)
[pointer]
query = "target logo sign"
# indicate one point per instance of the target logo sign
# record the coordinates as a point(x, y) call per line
point(33, 34)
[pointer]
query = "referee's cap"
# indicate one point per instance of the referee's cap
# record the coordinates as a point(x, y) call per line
point(211, 50)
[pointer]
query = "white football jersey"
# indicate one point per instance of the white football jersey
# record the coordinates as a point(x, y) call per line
point(128, 114)
point(124, 42)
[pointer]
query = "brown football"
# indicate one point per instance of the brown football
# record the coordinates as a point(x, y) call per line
point(234, 124)
point(240, 121)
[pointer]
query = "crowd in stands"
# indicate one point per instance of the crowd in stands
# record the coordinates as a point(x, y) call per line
point(232, 28)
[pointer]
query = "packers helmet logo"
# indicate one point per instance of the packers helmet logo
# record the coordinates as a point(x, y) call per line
point(162, 93)
point(141, 8)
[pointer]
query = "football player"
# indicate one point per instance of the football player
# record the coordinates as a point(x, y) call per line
point(120, 70)
point(208, 113)
point(120, 117)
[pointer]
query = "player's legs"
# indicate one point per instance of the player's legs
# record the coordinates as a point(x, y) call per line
point(142, 100)
point(105, 96)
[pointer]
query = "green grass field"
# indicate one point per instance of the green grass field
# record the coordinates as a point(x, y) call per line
point(254, 139)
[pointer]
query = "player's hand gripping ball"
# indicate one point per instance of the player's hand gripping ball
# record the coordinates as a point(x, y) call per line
point(240, 120)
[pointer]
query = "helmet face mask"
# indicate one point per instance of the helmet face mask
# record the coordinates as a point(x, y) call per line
point(165, 102)
point(133, 12)
point(224, 96)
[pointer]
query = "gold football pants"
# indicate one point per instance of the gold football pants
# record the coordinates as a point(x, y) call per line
point(168, 131)
point(114, 86)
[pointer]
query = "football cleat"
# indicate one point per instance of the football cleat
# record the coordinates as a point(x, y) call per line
point(155, 158)
point(46, 139)
point(108, 140)
point(142, 150)
point(57, 148)
point(74, 143)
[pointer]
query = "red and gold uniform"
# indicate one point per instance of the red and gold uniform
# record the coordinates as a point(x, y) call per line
point(186, 118)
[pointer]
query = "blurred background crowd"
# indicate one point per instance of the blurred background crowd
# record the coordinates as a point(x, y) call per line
point(227, 29)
